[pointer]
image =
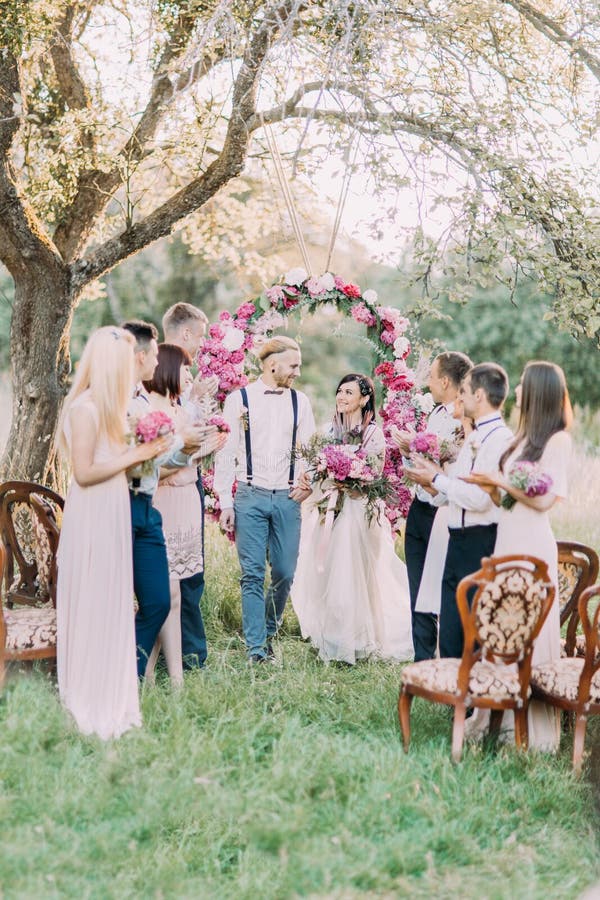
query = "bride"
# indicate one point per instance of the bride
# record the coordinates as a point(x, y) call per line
point(350, 592)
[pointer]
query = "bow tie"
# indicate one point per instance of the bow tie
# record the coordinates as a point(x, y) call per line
point(274, 392)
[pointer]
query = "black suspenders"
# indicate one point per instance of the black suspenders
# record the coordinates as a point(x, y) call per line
point(294, 431)
point(248, 442)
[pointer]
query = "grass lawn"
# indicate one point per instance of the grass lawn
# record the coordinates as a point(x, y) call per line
point(282, 781)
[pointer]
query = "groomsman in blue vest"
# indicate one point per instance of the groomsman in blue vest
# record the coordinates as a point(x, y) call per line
point(268, 420)
point(445, 377)
point(473, 517)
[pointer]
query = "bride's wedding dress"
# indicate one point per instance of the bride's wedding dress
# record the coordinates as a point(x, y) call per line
point(350, 592)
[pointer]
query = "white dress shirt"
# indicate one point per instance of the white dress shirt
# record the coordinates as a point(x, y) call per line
point(468, 504)
point(441, 422)
point(270, 418)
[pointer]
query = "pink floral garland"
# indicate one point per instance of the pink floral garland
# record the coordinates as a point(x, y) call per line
point(222, 353)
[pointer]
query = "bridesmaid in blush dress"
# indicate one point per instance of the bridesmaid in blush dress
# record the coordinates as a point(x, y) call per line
point(178, 501)
point(542, 438)
point(96, 659)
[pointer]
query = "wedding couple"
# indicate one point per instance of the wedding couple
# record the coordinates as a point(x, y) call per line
point(349, 589)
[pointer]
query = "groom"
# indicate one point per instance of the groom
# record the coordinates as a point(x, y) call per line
point(268, 420)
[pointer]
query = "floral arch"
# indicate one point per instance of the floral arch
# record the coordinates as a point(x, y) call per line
point(223, 353)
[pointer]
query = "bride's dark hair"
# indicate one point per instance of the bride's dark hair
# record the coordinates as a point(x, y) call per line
point(545, 409)
point(367, 389)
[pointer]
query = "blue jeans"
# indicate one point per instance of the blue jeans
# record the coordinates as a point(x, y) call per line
point(267, 525)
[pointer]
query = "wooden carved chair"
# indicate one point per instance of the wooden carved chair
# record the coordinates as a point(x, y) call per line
point(29, 533)
point(572, 683)
point(512, 597)
point(577, 570)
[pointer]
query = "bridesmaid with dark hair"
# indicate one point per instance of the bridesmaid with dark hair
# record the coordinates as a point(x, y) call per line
point(542, 438)
point(178, 501)
point(350, 592)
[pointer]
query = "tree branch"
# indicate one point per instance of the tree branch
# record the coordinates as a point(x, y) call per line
point(96, 187)
point(228, 164)
point(22, 237)
point(550, 28)
point(70, 82)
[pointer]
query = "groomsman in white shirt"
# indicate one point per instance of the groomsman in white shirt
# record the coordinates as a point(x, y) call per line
point(268, 420)
point(473, 517)
point(445, 377)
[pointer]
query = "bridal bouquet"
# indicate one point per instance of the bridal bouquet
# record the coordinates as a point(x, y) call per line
point(340, 470)
point(526, 477)
point(147, 428)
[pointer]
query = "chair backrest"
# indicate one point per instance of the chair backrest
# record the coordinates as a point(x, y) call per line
point(589, 611)
point(511, 599)
point(30, 516)
point(577, 570)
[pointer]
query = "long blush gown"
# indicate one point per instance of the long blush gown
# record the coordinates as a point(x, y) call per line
point(350, 591)
point(96, 656)
point(523, 529)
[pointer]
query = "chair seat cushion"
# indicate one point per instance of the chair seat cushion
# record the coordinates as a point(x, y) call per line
point(493, 680)
point(30, 628)
point(560, 678)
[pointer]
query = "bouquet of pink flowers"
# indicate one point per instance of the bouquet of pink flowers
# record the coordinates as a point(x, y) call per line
point(429, 445)
point(347, 471)
point(527, 477)
point(221, 423)
point(147, 428)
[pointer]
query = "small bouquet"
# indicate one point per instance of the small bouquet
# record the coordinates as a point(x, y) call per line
point(526, 477)
point(221, 424)
point(428, 445)
point(147, 428)
point(340, 471)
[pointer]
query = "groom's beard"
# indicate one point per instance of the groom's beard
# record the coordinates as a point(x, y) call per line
point(284, 381)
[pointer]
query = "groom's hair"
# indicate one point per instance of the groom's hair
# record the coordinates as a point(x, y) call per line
point(454, 366)
point(181, 314)
point(143, 332)
point(494, 381)
point(278, 344)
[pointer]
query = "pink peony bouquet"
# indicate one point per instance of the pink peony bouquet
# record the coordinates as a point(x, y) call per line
point(526, 477)
point(147, 428)
point(429, 445)
point(153, 425)
point(341, 468)
point(221, 423)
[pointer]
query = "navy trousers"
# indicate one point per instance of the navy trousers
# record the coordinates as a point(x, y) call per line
point(150, 575)
point(419, 523)
point(466, 548)
point(193, 635)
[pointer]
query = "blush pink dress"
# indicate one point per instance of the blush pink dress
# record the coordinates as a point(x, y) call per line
point(523, 529)
point(96, 657)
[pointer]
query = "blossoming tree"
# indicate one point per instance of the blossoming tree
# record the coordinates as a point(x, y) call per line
point(121, 118)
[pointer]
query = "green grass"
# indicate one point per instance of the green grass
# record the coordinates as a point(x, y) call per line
point(283, 781)
point(287, 781)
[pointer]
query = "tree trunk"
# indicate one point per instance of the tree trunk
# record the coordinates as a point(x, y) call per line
point(40, 363)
